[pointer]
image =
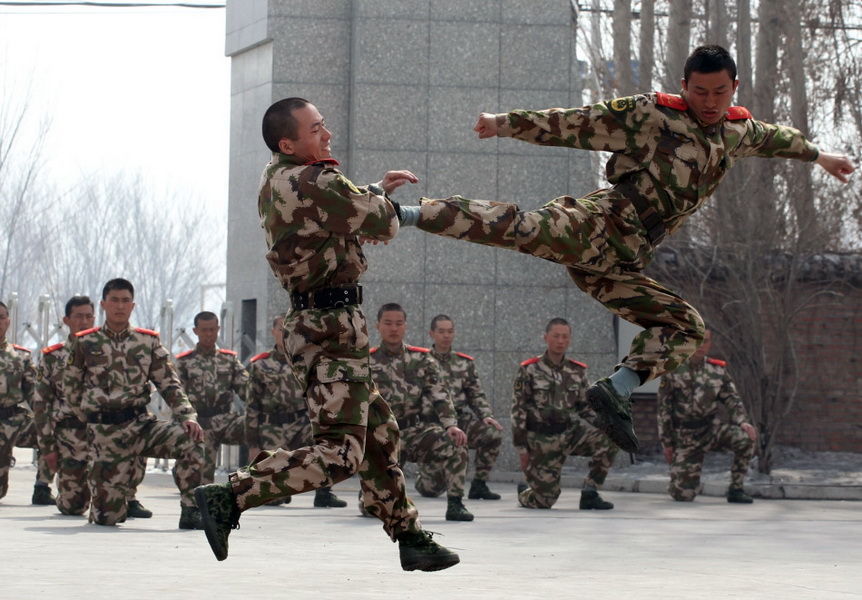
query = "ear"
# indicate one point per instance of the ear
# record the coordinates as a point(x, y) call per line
point(285, 146)
point(735, 85)
point(684, 84)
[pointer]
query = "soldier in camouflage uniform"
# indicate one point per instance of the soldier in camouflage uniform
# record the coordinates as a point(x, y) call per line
point(670, 153)
point(211, 377)
point(552, 420)
point(315, 220)
point(276, 415)
point(414, 385)
point(18, 425)
point(690, 424)
point(474, 413)
point(108, 380)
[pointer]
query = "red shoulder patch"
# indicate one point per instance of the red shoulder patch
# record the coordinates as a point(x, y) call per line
point(715, 361)
point(373, 350)
point(323, 162)
point(17, 347)
point(671, 101)
point(467, 356)
point(531, 361)
point(147, 331)
point(87, 331)
point(184, 354)
point(738, 113)
point(260, 356)
point(577, 362)
point(51, 349)
point(226, 351)
point(417, 348)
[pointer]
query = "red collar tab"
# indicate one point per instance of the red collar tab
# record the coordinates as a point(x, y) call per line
point(184, 354)
point(147, 331)
point(715, 361)
point(323, 162)
point(738, 113)
point(17, 347)
point(51, 349)
point(87, 331)
point(373, 350)
point(531, 361)
point(260, 356)
point(577, 362)
point(671, 101)
point(467, 356)
point(226, 351)
point(417, 349)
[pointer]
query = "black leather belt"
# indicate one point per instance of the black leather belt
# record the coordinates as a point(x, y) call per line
point(696, 423)
point(116, 417)
point(650, 219)
point(548, 428)
point(206, 412)
point(9, 411)
point(283, 418)
point(70, 423)
point(324, 298)
point(408, 422)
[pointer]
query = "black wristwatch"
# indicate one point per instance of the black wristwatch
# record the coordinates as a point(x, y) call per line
point(376, 189)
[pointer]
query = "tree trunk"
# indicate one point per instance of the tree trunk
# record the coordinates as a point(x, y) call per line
point(622, 28)
point(716, 25)
point(678, 40)
point(647, 45)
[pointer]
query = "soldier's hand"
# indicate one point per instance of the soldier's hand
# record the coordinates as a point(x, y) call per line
point(668, 455)
point(457, 435)
point(750, 430)
point(194, 430)
point(524, 460)
point(493, 423)
point(486, 126)
point(837, 165)
point(51, 461)
point(395, 179)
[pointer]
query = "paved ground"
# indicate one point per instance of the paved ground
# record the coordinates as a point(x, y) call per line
point(648, 547)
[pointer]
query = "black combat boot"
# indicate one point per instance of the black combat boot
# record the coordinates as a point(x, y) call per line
point(737, 495)
point(136, 510)
point(614, 413)
point(590, 500)
point(324, 498)
point(419, 551)
point(219, 514)
point(456, 511)
point(190, 518)
point(42, 496)
point(479, 491)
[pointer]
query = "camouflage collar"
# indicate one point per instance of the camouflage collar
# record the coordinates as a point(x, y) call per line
point(115, 335)
point(398, 352)
point(547, 360)
point(278, 355)
point(200, 350)
point(290, 159)
point(443, 356)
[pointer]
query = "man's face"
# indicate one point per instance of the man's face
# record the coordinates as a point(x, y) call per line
point(558, 338)
point(312, 136)
point(118, 306)
point(4, 322)
point(207, 332)
point(392, 326)
point(709, 95)
point(443, 334)
point(81, 318)
point(704, 348)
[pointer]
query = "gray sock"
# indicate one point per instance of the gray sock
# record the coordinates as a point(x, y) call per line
point(409, 215)
point(625, 380)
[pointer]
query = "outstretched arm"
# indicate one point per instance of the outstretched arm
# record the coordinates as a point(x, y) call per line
point(837, 165)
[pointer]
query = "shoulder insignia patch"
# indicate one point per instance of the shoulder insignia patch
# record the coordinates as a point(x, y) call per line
point(184, 354)
point(22, 348)
point(738, 113)
point(323, 162)
point(417, 348)
point(622, 104)
point(147, 331)
point(577, 362)
point(531, 361)
point(51, 349)
point(671, 101)
point(467, 356)
point(715, 361)
point(226, 351)
point(373, 350)
point(258, 357)
point(87, 331)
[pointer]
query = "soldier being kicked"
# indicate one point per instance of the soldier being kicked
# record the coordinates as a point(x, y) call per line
point(413, 384)
point(474, 416)
point(275, 412)
point(690, 424)
point(108, 379)
point(211, 377)
point(552, 420)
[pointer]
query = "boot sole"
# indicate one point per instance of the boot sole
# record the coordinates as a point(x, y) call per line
point(464, 519)
point(610, 423)
point(209, 525)
point(438, 565)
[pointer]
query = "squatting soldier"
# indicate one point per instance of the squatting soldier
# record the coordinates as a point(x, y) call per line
point(315, 221)
point(413, 384)
point(690, 424)
point(552, 420)
point(276, 415)
point(18, 425)
point(475, 417)
point(669, 155)
point(108, 380)
point(211, 376)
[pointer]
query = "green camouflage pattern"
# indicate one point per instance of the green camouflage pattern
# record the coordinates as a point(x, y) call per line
point(545, 394)
point(17, 376)
point(48, 395)
point(275, 390)
point(691, 421)
point(73, 493)
point(19, 430)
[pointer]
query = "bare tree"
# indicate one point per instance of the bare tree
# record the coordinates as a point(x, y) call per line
point(678, 41)
point(622, 28)
point(646, 61)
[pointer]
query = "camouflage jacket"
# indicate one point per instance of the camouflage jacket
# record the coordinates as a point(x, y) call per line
point(659, 146)
point(17, 376)
point(411, 380)
point(462, 381)
point(313, 217)
point(49, 397)
point(111, 371)
point(273, 389)
point(211, 378)
point(545, 393)
point(689, 398)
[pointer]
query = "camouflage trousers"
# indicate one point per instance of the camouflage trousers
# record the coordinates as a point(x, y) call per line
point(601, 241)
point(485, 439)
point(354, 428)
point(19, 430)
point(548, 452)
point(226, 428)
point(689, 453)
point(427, 444)
point(288, 436)
point(117, 461)
point(73, 493)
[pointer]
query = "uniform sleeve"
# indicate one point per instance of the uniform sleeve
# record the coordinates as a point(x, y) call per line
point(520, 398)
point(164, 376)
point(255, 391)
point(767, 140)
point(435, 392)
point(239, 384)
point(345, 209)
point(665, 412)
point(44, 405)
point(475, 394)
point(614, 126)
point(729, 396)
point(73, 376)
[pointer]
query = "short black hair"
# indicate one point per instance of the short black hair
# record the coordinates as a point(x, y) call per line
point(438, 318)
point(709, 59)
point(557, 321)
point(279, 122)
point(205, 315)
point(390, 306)
point(78, 301)
point(118, 284)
